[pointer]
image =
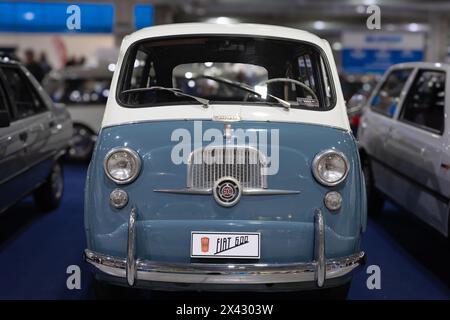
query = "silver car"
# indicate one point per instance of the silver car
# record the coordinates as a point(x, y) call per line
point(34, 134)
point(404, 140)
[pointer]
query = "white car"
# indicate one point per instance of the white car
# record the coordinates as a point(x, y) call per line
point(404, 142)
point(84, 90)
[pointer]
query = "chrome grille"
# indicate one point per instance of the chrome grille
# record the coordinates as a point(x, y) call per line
point(245, 164)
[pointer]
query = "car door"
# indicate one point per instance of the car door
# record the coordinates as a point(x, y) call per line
point(415, 149)
point(36, 118)
point(378, 121)
point(12, 153)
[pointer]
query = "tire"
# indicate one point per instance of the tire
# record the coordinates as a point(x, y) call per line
point(375, 201)
point(48, 196)
point(82, 146)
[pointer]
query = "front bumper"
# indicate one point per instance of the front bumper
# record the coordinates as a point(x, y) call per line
point(316, 271)
point(224, 273)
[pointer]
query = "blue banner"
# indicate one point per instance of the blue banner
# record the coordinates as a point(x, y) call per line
point(374, 52)
point(143, 16)
point(53, 17)
point(362, 61)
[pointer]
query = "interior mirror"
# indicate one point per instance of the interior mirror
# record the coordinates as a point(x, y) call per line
point(4, 119)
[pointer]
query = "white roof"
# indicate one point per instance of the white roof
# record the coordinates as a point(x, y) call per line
point(421, 64)
point(116, 114)
point(214, 28)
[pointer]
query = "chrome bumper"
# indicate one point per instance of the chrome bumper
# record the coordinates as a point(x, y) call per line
point(208, 273)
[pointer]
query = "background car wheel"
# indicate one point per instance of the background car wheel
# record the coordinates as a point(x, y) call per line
point(48, 196)
point(375, 201)
point(82, 145)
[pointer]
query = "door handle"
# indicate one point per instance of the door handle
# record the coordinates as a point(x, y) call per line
point(54, 126)
point(23, 136)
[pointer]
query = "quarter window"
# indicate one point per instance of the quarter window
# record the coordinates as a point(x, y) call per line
point(425, 103)
point(387, 98)
point(23, 95)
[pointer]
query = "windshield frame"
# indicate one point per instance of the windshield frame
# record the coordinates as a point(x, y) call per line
point(134, 45)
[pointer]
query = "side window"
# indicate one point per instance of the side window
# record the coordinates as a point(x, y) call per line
point(425, 103)
point(25, 97)
point(387, 98)
point(3, 105)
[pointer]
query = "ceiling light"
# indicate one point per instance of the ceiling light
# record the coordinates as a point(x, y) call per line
point(413, 27)
point(319, 25)
point(337, 46)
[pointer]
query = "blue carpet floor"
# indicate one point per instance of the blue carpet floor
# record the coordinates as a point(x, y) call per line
point(36, 249)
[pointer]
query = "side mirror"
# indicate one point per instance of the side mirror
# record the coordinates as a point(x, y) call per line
point(4, 119)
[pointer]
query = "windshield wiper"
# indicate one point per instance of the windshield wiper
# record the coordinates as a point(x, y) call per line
point(247, 88)
point(175, 91)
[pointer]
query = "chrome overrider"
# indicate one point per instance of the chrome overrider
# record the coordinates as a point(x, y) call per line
point(318, 270)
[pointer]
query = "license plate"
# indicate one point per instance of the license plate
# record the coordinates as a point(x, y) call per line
point(240, 245)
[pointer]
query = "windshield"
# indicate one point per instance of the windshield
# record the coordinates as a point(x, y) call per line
point(243, 70)
point(79, 91)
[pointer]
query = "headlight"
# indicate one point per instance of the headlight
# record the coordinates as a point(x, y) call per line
point(122, 165)
point(330, 167)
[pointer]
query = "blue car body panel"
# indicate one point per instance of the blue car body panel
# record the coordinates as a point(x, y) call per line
point(165, 220)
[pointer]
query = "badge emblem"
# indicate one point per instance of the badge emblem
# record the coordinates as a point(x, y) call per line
point(227, 191)
point(205, 244)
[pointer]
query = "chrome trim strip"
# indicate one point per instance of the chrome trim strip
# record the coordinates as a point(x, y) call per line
point(262, 192)
point(131, 248)
point(209, 119)
point(213, 273)
point(54, 154)
point(247, 192)
point(319, 247)
point(185, 191)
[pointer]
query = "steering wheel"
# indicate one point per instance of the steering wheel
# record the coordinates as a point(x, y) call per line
point(296, 82)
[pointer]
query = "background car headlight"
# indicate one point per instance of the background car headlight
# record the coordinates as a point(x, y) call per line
point(122, 165)
point(330, 167)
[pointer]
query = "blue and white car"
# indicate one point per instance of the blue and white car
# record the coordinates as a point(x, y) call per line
point(225, 162)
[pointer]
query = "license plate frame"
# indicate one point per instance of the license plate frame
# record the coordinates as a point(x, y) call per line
point(225, 245)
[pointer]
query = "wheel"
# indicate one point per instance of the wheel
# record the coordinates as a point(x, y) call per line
point(48, 196)
point(83, 141)
point(375, 201)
